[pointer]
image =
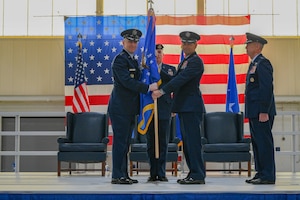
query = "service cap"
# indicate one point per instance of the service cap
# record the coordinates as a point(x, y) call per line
point(255, 38)
point(189, 37)
point(159, 46)
point(132, 34)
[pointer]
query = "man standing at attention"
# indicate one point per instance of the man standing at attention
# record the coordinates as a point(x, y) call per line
point(158, 165)
point(260, 109)
point(124, 104)
point(188, 103)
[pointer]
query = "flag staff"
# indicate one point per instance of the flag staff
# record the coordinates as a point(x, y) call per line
point(156, 129)
point(155, 110)
point(156, 141)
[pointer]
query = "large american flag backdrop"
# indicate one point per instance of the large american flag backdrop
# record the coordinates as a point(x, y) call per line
point(102, 42)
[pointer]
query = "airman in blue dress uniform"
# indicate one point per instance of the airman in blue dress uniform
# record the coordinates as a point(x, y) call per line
point(158, 166)
point(260, 109)
point(124, 104)
point(188, 103)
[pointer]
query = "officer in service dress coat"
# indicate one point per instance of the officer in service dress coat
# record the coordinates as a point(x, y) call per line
point(124, 104)
point(260, 109)
point(188, 103)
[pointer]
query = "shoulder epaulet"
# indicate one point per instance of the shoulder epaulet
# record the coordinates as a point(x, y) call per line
point(262, 57)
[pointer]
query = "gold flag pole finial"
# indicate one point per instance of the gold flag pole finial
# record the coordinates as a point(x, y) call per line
point(231, 41)
point(79, 37)
point(150, 10)
point(151, 3)
point(150, 13)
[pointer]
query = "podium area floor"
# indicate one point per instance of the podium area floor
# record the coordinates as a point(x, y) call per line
point(94, 183)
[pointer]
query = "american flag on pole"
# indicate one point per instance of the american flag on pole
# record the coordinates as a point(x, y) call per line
point(102, 41)
point(80, 101)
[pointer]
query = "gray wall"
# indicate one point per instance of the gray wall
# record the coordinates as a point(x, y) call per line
point(32, 143)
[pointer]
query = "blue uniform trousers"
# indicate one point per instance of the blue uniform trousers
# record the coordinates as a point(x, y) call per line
point(158, 165)
point(123, 126)
point(263, 148)
point(190, 123)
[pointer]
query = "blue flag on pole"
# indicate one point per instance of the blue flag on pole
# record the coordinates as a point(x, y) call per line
point(150, 75)
point(232, 101)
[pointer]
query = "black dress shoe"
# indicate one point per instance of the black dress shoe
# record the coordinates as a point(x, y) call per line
point(262, 182)
point(163, 179)
point(132, 180)
point(191, 181)
point(121, 180)
point(178, 180)
point(250, 180)
point(151, 179)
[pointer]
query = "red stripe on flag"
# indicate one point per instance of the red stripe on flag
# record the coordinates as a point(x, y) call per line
point(205, 39)
point(99, 99)
point(221, 79)
point(219, 98)
point(94, 100)
point(209, 59)
point(110, 137)
point(208, 99)
point(80, 99)
point(203, 20)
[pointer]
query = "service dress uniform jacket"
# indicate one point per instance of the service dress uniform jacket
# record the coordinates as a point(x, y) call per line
point(167, 72)
point(259, 98)
point(123, 107)
point(158, 166)
point(188, 103)
point(125, 98)
point(259, 88)
point(187, 95)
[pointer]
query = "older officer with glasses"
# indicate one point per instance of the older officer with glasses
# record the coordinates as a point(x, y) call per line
point(260, 109)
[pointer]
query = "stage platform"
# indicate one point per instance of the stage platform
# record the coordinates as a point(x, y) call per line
point(81, 185)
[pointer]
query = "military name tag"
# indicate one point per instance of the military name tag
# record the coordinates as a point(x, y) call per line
point(170, 72)
point(184, 65)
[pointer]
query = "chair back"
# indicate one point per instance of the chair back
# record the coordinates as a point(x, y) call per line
point(223, 127)
point(86, 127)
